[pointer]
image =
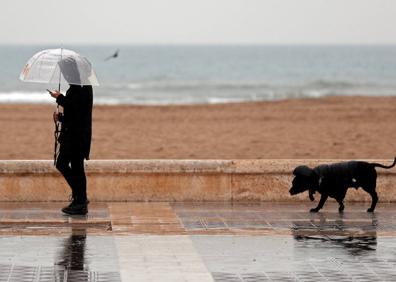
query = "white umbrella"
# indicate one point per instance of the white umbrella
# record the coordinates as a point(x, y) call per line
point(59, 66)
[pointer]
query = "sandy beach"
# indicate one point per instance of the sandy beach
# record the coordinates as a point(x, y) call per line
point(333, 127)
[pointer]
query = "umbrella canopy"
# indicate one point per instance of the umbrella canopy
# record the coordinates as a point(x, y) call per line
point(59, 66)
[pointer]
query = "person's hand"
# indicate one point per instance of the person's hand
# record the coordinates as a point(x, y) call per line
point(56, 116)
point(55, 93)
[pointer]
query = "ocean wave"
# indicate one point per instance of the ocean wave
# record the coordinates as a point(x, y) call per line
point(321, 84)
point(26, 97)
point(345, 84)
point(134, 86)
point(332, 84)
point(209, 92)
point(188, 85)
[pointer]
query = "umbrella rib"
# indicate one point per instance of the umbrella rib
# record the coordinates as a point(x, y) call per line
point(53, 74)
point(41, 54)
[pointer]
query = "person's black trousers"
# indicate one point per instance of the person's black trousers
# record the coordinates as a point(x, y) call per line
point(72, 168)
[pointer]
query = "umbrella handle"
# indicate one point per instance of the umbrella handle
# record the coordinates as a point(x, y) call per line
point(57, 123)
point(56, 136)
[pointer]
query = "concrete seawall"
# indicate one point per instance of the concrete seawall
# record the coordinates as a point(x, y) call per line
point(173, 180)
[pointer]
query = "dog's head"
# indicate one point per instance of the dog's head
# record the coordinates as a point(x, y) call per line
point(303, 180)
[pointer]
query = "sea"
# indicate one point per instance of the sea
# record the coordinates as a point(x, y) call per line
point(209, 74)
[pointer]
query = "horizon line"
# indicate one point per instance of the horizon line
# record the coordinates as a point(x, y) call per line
point(197, 44)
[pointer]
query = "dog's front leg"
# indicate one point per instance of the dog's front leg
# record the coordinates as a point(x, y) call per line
point(311, 195)
point(323, 199)
point(341, 205)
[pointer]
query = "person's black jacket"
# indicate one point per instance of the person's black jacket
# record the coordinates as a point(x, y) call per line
point(76, 131)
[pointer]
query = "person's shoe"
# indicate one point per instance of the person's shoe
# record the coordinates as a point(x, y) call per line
point(76, 209)
point(72, 200)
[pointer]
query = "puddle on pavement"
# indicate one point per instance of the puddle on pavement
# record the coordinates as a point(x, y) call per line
point(77, 257)
point(334, 248)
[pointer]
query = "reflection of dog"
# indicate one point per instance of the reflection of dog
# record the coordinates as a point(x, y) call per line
point(334, 180)
point(356, 237)
point(355, 245)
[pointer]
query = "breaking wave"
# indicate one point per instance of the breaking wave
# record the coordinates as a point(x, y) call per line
point(210, 92)
point(26, 97)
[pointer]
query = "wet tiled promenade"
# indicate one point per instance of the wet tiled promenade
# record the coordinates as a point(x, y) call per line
point(197, 242)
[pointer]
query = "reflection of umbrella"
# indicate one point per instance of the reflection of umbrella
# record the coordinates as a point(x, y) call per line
point(59, 66)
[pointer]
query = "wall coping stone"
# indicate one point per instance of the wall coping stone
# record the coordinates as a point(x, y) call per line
point(249, 166)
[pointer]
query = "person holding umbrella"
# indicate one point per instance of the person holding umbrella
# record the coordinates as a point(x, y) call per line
point(66, 66)
point(75, 135)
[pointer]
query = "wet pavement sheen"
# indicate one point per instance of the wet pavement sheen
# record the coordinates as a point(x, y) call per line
point(197, 242)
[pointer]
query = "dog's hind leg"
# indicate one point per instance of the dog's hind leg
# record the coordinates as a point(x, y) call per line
point(369, 187)
point(374, 200)
point(323, 199)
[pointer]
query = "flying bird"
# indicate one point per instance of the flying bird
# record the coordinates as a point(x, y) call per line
point(115, 55)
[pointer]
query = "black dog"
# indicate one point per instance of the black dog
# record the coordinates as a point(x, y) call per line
point(333, 181)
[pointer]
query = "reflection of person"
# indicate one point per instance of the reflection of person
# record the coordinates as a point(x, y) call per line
point(75, 136)
point(72, 256)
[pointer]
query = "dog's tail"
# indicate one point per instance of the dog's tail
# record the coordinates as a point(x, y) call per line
point(383, 166)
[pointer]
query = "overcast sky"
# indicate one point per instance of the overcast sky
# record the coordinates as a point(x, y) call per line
point(198, 21)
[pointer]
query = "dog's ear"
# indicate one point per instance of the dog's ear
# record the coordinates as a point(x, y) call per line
point(303, 170)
